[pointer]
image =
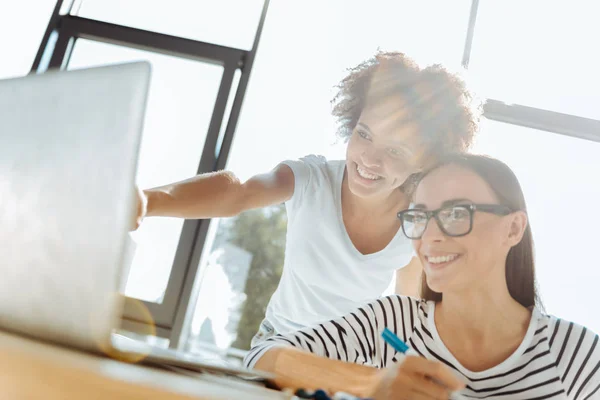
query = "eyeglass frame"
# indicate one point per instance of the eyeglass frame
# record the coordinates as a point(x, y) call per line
point(496, 209)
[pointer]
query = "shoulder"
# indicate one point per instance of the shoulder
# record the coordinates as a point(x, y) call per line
point(313, 160)
point(403, 308)
point(306, 167)
point(408, 301)
point(576, 352)
point(566, 334)
point(314, 169)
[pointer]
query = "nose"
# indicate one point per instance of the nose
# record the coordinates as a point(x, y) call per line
point(371, 157)
point(433, 233)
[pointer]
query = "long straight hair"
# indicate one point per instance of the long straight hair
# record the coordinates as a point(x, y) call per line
point(520, 265)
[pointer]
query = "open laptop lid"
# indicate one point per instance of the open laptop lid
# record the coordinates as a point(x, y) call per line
point(69, 145)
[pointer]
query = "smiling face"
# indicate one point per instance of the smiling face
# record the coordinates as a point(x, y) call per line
point(466, 262)
point(384, 149)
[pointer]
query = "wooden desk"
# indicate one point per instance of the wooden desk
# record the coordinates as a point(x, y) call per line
point(30, 369)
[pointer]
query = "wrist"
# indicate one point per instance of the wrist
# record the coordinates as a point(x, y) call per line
point(369, 382)
point(298, 369)
point(151, 203)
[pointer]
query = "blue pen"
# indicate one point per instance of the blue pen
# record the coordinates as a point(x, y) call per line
point(403, 348)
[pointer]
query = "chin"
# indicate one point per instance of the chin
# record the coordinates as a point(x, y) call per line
point(362, 192)
point(365, 189)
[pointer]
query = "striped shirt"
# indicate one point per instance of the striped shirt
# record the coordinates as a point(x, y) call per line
point(557, 359)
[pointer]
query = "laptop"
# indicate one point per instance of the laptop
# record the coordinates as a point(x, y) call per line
point(69, 144)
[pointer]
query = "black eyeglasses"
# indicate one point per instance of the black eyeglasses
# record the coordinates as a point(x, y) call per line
point(455, 220)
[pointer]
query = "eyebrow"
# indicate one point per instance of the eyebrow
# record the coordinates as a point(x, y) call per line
point(447, 203)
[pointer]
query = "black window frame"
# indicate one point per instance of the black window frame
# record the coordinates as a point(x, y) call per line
point(54, 53)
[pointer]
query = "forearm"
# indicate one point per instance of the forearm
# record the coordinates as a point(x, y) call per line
point(296, 369)
point(216, 194)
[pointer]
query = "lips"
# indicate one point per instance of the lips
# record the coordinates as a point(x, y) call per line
point(365, 174)
point(441, 259)
point(437, 261)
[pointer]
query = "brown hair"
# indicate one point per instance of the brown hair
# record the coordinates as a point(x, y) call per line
point(445, 110)
point(520, 266)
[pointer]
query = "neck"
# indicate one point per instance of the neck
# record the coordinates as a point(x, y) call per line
point(384, 204)
point(483, 313)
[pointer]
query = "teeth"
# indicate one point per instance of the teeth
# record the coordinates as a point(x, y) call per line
point(442, 259)
point(365, 174)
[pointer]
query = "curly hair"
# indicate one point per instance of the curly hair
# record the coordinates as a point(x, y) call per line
point(446, 112)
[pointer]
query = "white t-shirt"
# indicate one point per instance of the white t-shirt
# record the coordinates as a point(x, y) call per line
point(556, 360)
point(324, 275)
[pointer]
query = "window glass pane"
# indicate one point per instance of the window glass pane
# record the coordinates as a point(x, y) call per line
point(21, 34)
point(562, 180)
point(231, 23)
point(286, 115)
point(180, 104)
point(239, 276)
point(539, 53)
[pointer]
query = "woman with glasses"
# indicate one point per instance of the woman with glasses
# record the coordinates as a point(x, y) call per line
point(480, 328)
point(343, 243)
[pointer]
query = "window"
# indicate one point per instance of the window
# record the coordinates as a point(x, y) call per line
point(21, 35)
point(563, 198)
point(180, 104)
point(192, 114)
point(226, 22)
point(539, 53)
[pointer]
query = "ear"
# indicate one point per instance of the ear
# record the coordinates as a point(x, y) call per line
point(517, 227)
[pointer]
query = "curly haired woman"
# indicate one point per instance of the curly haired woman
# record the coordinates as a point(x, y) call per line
point(344, 242)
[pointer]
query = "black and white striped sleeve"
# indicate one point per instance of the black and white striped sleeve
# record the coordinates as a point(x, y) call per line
point(577, 354)
point(355, 337)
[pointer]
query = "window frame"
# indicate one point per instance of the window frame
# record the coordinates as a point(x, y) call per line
point(530, 117)
point(54, 53)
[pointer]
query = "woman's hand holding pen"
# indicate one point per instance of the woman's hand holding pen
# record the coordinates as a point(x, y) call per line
point(416, 378)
